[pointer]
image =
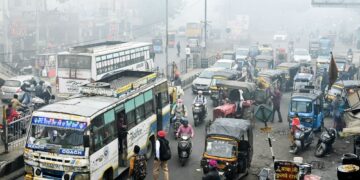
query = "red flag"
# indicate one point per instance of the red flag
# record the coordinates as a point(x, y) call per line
point(333, 71)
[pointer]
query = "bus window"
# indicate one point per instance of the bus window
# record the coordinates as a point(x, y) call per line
point(103, 130)
point(140, 109)
point(130, 113)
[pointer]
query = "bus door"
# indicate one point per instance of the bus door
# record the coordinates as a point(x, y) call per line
point(158, 110)
point(122, 134)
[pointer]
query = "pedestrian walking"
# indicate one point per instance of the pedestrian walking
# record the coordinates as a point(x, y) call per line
point(213, 173)
point(162, 155)
point(276, 103)
point(325, 80)
point(338, 109)
point(137, 169)
point(178, 48)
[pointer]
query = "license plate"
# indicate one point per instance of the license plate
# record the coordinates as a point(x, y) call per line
point(50, 165)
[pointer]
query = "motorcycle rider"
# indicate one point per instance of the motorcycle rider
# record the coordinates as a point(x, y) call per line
point(185, 128)
point(179, 108)
point(295, 125)
point(42, 92)
point(201, 99)
point(27, 89)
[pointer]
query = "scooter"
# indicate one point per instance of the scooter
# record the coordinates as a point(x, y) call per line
point(198, 113)
point(325, 142)
point(303, 139)
point(184, 148)
point(176, 122)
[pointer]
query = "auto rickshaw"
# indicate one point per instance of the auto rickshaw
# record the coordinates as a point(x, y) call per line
point(341, 87)
point(229, 141)
point(291, 70)
point(274, 78)
point(263, 62)
point(308, 103)
point(230, 89)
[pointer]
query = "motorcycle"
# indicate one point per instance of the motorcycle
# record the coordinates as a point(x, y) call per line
point(325, 142)
point(184, 148)
point(198, 113)
point(176, 122)
point(303, 139)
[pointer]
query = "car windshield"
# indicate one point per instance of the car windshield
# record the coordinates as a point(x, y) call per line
point(301, 52)
point(56, 134)
point(301, 106)
point(340, 66)
point(242, 52)
point(12, 83)
point(262, 64)
point(335, 90)
point(206, 74)
point(221, 148)
point(226, 65)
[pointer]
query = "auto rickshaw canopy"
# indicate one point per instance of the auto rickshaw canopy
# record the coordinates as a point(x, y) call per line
point(229, 127)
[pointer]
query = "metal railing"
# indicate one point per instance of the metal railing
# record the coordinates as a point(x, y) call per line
point(14, 133)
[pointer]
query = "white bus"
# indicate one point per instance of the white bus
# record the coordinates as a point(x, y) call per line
point(87, 63)
point(85, 137)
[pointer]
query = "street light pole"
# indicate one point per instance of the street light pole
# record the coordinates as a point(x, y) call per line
point(205, 29)
point(167, 41)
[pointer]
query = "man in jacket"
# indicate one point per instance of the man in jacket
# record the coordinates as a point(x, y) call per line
point(276, 103)
point(160, 161)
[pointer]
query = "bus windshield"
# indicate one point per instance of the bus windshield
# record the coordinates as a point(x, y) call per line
point(74, 61)
point(55, 135)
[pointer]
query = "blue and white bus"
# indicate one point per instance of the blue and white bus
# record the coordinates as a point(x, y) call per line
point(92, 136)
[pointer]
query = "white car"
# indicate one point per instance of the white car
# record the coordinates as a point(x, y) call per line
point(203, 81)
point(301, 56)
point(226, 64)
point(280, 36)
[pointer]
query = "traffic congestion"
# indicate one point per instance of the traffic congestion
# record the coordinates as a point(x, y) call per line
point(239, 96)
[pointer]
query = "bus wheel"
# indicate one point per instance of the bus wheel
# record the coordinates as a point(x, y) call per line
point(150, 148)
point(108, 175)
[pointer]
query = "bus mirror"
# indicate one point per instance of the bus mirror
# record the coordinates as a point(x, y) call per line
point(52, 97)
point(86, 140)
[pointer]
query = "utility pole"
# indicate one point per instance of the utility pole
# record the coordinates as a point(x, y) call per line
point(6, 21)
point(205, 29)
point(167, 41)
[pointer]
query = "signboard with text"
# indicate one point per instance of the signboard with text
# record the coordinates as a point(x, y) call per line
point(71, 86)
point(286, 170)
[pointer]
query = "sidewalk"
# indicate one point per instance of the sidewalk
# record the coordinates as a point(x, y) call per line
point(12, 161)
point(188, 78)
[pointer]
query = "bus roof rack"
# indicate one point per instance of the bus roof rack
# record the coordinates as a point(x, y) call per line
point(120, 83)
point(86, 48)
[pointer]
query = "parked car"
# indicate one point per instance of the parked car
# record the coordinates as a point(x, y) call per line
point(12, 86)
point(226, 64)
point(302, 56)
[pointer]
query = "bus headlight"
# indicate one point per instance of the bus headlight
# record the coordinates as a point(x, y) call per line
point(308, 120)
point(82, 177)
point(28, 169)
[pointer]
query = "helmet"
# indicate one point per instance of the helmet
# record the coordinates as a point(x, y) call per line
point(200, 92)
point(185, 122)
point(179, 101)
point(296, 114)
point(213, 163)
